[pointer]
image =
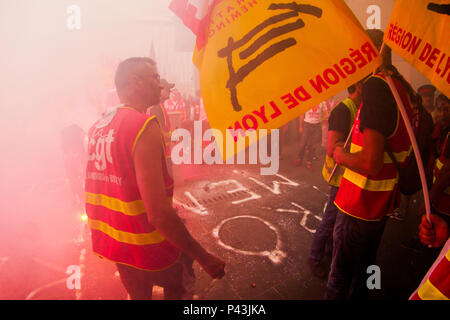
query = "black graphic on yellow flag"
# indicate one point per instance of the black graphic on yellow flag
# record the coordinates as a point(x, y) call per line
point(227, 52)
point(439, 8)
point(264, 63)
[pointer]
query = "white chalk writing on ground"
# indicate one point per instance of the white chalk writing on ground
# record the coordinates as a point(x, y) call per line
point(276, 184)
point(306, 214)
point(239, 186)
point(276, 255)
point(198, 209)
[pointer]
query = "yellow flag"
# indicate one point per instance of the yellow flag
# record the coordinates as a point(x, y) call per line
point(419, 31)
point(263, 63)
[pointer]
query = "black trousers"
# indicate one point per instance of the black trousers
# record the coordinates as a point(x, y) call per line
point(177, 280)
point(311, 136)
point(355, 245)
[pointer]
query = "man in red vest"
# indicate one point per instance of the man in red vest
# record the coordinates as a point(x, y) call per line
point(129, 193)
point(369, 188)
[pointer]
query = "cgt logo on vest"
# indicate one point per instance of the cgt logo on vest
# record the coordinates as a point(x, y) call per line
point(100, 149)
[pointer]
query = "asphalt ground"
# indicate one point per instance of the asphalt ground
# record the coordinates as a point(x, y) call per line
point(261, 226)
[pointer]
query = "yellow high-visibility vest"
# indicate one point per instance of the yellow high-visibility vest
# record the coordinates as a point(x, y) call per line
point(329, 161)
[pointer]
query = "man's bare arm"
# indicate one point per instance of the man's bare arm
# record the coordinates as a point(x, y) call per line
point(335, 138)
point(367, 161)
point(147, 160)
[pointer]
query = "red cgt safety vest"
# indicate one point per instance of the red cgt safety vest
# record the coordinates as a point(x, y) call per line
point(116, 214)
point(444, 204)
point(369, 197)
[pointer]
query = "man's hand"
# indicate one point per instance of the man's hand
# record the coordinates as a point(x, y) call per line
point(334, 139)
point(339, 151)
point(213, 266)
point(435, 235)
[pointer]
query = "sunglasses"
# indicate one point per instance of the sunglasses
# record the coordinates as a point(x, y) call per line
point(156, 76)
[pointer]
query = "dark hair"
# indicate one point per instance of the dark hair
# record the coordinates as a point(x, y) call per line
point(127, 68)
point(351, 89)
point(409, 89)
point(376, 36)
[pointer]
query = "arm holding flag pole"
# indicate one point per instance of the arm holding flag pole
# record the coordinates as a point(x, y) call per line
point(412, 138)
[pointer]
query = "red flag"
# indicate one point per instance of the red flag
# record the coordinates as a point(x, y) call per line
point(195, 15)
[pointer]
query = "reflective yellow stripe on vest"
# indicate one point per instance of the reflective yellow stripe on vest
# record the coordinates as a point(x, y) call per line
point(329, 164)
point(368, 184)
point(352, 108)
point(328, 168)
point(439, 164)
point(126, 237)
point(399, 156)
point(142, 131)
point(132, 208)
point(437, 168)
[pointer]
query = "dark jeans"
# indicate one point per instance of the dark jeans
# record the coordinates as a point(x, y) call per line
point(322, 242)
point(309, 139)
point(355, 245)
point(177, 280)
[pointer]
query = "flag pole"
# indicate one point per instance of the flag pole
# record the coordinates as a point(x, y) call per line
point(412, 138)
point(415, 147)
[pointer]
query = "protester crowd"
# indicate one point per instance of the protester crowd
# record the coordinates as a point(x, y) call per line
point(372, 178)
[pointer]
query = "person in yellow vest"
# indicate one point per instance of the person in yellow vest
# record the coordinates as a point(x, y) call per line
point(129, 191)
point(369, 190)
point(340, 123)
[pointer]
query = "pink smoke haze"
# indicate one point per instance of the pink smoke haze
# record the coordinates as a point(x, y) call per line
point(55, 74)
